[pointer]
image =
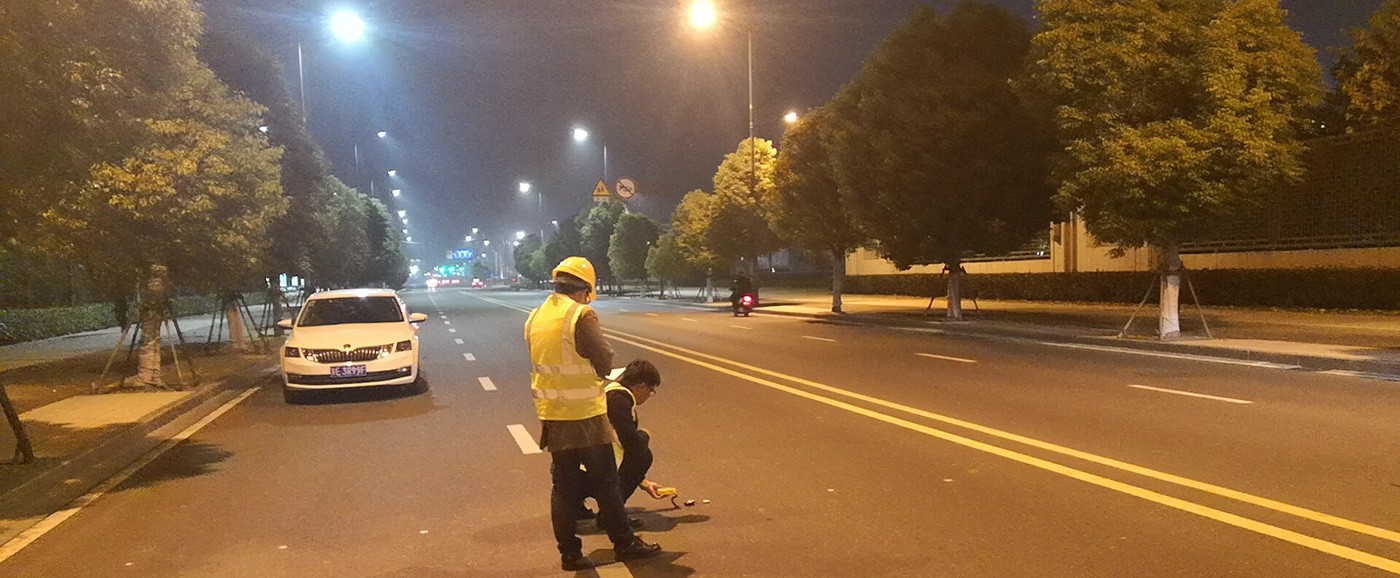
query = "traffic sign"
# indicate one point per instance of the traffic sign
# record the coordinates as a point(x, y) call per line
point(626, 188)
point(600, 192)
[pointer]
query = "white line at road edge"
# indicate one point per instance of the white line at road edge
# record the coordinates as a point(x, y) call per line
point(1187, 356)
point(522, 438)
point(745, 328)
point(946, 358)
point(469, 357)
point(486, 383)
point(53, 520)
point(1191, 394)
point(819, 339)
point(689, 320)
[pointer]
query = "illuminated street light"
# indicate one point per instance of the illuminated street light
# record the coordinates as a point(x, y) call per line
point(790, 117)
point(393, 173)
point(515, 244)
point(381, 134)
point(348, 26)
point(397, 192)
point(556, 223)
point(703, 14)
point(405, 231)
point(405, 221)
point(486, 243)
point(409, 239)
point(469, 239)
point(403, 213)
point(580, 134)
point(519, 235)
point(524, 187)
point(474, 230)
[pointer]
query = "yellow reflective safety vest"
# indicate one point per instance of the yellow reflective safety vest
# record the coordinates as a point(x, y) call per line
point(615, 386)
point(564, 384)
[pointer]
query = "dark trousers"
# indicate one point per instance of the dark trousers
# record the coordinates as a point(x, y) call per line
point(572, 485)
point(635, 464)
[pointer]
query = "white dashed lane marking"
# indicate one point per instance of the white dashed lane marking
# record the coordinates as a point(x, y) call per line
point(469, 357)
point(946, 358)
point(459, 341)
point(1192, 394)
point(823, 339)
point(522, 438)
point(486, 383)
point(451, 330)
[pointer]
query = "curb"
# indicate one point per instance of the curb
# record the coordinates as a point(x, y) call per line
point(52, 490)
point(972, 329)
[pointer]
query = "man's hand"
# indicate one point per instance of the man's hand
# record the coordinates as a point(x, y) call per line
point(657, 491)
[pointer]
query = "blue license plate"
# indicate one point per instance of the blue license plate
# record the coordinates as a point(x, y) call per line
point(348, 371)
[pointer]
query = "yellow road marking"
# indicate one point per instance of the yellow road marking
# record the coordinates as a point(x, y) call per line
point(1156, 497)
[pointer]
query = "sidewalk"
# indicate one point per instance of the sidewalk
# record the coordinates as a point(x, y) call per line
point(1325, 340)
point(195, 329)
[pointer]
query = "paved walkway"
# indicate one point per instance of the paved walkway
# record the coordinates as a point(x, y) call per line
point(195, 329)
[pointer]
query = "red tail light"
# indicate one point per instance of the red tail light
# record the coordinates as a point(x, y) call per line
point(747, 300)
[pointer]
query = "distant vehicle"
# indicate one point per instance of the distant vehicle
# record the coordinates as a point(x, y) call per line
point(745, 305)
point(350, 338)
point(478, 284)
point(432, 283)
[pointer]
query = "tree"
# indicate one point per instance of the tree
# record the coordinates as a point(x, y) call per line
point(1175, 117)
point(738, 229)
point(1369, 72)
point(529, 259)
point(627, 250)
point(189, 207)
point(666, 261)
point(596, 226)
point(804, 205)
point(566, 243)
point(690, 225)
point(935, 154)
point(347, 219)
point(386, 264)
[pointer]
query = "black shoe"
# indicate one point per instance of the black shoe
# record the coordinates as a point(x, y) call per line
point(576, 563)
point(637, 550)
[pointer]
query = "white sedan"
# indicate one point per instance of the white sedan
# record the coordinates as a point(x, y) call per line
point(350, 338)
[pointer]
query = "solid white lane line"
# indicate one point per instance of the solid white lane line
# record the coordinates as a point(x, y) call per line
point(469, 357)
point(1187, 356)
point(624, 310)
point(653, 315)
point(689, 319)
point(1192, 394)
point(1362, 374)
point(53, 520)
point(451, 330)
point(946, 358)
point(819, 339)
point(522, 438)
point(459, 341)
point(744, 327)
point(486, 383)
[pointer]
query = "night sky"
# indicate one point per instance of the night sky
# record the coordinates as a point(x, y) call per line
point(477, 96)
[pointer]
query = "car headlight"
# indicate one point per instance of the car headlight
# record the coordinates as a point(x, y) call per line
point(406, 345)
point(291, 352)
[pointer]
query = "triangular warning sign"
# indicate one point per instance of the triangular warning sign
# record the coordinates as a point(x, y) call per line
point(600, 192)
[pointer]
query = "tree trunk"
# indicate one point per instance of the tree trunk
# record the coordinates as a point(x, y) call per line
point(838, 275)
point(24, 451)
point(1169, 319)
point(709, 286)
point(276, 296)
point(153, 306)
point(955, 291)
point(237, 334)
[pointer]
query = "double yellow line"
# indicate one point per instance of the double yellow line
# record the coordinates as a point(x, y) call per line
point(759, 376)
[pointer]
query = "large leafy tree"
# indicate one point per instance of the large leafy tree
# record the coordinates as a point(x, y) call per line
point(1175, 116)
point(1369, 71)
point(348, 219)
point(627, 250)
point(567, 242)
point(191, 206)
point(935, 153)
point(387, 264)
point(691, 224)
point(738, 229)
point(804, 205)
point(530, 260)
point(596, 226)
point(666, 262)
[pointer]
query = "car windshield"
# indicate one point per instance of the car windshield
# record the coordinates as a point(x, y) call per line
point(343, 310)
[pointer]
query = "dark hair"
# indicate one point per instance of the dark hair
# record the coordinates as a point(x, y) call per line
point(640, 372)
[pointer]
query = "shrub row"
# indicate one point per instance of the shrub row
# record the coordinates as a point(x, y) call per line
point(20, 325)
point(1319, 288)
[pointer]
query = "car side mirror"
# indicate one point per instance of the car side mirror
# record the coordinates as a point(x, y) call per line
point(417, 317)
point(285, 323)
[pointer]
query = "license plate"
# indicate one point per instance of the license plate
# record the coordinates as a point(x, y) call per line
point(348, 371)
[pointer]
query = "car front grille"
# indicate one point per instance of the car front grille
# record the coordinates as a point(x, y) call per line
point(342, 356)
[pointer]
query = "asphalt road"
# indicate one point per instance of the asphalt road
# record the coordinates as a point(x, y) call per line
point(824, 450)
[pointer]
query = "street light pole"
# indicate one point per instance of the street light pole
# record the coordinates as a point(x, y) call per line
point(301, 78)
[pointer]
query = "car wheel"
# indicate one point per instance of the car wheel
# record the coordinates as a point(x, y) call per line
point(293, 397)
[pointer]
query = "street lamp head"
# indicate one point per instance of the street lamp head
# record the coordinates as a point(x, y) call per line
point(556, 222)
point(486, 243)
point(524, 187)
point(516, 244)
point(580, 134)
point(790, 117)
point(408, 239)
point(405, 221)
point(703, 14)
point(347, 26)
point(397, 192)
point(393, 173)
point(469, 238)
point(403, 214)
point(474, 230)
point(519, 235)
point(381, 134)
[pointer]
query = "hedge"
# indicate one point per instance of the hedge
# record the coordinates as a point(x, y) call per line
point(20, 325)
point(1318, 288)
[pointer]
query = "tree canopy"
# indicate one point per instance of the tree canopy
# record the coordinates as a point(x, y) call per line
point(738, 227)
point(627, 250)
point(530, 259)
point(596, 225)
point(1369, 72)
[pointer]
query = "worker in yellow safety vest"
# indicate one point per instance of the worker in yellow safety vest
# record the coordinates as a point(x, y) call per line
point(568, 359)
